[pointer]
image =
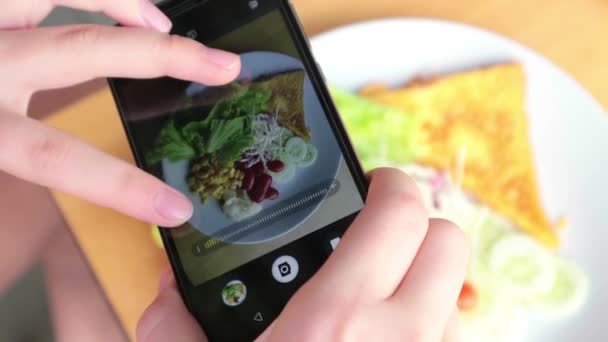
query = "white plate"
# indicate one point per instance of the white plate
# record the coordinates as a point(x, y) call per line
point(569, 131)
point(284, 211)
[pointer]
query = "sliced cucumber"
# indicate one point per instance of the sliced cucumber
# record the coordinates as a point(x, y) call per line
point(487, 233)
point(310, 157)
point(524, 266)
point(285, 135)
point(294, 151)
point(286, 175)
point(568, 294)
point(483, 236)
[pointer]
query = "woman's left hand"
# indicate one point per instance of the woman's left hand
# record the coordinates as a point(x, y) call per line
point(34, 59)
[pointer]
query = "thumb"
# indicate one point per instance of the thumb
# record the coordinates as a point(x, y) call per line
point(167, 319)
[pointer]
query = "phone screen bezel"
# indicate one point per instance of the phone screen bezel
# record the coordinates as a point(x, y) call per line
point(316, 77)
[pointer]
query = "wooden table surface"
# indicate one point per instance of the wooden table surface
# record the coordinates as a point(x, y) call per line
point(573, 34)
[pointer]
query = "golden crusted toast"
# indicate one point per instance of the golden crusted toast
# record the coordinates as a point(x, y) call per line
point(474, 124)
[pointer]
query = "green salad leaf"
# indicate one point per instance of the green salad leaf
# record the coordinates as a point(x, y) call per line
point(243, 103)
point(225, 132)
point(194, 133)
point(171, 145)
point(381, 135)
point(233, 150)
point(221, 132)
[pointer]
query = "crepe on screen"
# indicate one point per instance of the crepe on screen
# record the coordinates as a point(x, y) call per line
point(287, 98)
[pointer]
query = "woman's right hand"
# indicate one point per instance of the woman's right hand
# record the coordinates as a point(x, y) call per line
point(395, 276)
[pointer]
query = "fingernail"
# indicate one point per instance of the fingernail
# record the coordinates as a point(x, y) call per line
point(222, 59)
point(154, 18)
point(173, 206)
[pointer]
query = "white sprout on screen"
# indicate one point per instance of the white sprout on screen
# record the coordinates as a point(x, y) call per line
point(268, 139)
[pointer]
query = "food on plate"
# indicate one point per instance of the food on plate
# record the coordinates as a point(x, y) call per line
point(234, 293)
point(238, 206)
point(284, 176)
point(474, 125)
point(381, 135)
point(253, 137)
point(287, 97)
point(568, 293)
point(522, 264)
point(513, 274)
point(467, 299)
point(510, 274)
point(209, 177)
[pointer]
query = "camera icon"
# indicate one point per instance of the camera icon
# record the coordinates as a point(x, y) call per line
point(192, 34)
point(285, 269)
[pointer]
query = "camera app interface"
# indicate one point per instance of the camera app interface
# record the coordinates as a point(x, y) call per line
point(258, 157)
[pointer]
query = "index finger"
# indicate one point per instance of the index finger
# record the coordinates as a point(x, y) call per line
point(49, 157)
point(83, 52)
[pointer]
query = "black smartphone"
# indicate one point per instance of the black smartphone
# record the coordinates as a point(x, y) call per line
point(265, 160)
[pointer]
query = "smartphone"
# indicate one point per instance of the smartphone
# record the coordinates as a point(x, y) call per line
point(265, 160)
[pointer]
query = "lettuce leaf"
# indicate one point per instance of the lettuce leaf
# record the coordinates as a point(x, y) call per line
point(233, 150)
point(170, 145)
point(243, 103)
point(225, 132)
point(222, 132)
point(194, 133)
point(382, 136)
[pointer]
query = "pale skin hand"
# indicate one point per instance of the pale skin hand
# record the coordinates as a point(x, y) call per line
point(404, 289)
point(34, 59)
point(395, 276)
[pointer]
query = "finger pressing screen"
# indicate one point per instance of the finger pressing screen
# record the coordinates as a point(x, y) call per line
point(62, 56)
point(378, 248)
point(46, 156)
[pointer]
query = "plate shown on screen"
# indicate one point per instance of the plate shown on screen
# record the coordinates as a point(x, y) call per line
point(210, 219)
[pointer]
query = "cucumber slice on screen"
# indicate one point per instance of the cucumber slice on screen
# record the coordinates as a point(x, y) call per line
point(294, 150)
point(285, 175)
point(310, 157)
point(569, 292)
point(285, 135)
point(524, 266)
